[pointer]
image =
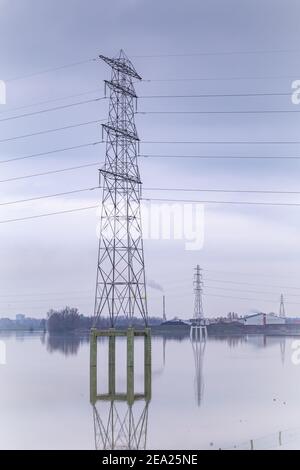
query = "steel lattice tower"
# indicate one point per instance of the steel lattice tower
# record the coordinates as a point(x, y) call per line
point(198, 285)
point(282, 308)
point(121, 286)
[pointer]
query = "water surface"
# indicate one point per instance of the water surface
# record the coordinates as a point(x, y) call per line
point(219, 395)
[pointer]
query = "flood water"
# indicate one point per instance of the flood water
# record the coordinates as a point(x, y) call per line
point(220, 395)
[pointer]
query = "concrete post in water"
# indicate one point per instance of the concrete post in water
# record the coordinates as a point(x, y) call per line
point(130, 365)
point(112, 363)
point(93, 365)
point(148, 364)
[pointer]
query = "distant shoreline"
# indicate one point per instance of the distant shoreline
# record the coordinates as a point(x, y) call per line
point(232, 329)
point(183, 330)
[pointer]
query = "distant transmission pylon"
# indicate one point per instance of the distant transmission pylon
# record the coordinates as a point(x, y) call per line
point(282, 307)
point(121, 287)
point(198, 328)
point(198, 284)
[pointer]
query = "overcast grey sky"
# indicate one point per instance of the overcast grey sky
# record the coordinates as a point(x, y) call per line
point(51, 262)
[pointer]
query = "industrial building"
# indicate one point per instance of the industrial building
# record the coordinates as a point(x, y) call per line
point(264, 319)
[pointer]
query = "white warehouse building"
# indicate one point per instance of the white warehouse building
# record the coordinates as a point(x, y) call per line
point(264, 319)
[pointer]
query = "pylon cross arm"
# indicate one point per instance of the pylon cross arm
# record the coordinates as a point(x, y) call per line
point(120, 66)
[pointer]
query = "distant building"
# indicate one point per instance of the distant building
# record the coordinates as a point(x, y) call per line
point(20, 318)
point(176, 322)
point(263, 319)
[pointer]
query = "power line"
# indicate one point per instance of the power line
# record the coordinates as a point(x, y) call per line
point(253, 299)
point(53, 100)
point(52, 69)
point(88, 165)
point(14, 294)
point(72, 126)
point(174, 142)
point(229, 142)
point(225, 202)
point(95, 59)
point(50, 172)
point(245, 290)
point(277, 111)
point(239, 273)
point(145, 199)
point(51, 152)
point(238, 157)
point(251, 284)
point(48, 196)
point(174, 285)
point(77, 95)
point(223, 191)
point(210, 79)
point(247, 298)
point(217, 53)
point(42, 301)
point(92, 144)
point(153, 199)
point(275, 301)
point(50, 214)
point(57, 108)
point(222, 95)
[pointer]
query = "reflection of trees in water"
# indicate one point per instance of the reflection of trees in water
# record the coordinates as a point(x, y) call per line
point(235, 341)
point(232, 341)
point(66, 344)
point(18, 335)
point(257, 341)
point(172, 336)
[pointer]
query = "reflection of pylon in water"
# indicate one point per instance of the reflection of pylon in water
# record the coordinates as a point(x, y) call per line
point(198, 351)
point(122, 421)
point(282, 350)
point(121, 431)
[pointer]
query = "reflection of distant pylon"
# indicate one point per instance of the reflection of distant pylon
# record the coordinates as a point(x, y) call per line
point(282, 307)
point(282, 350)
point(199, 350)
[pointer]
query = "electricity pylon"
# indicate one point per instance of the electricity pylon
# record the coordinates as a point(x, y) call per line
point(282, 307)
point(198, 328)
point(121, 286)
point(198, 284)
